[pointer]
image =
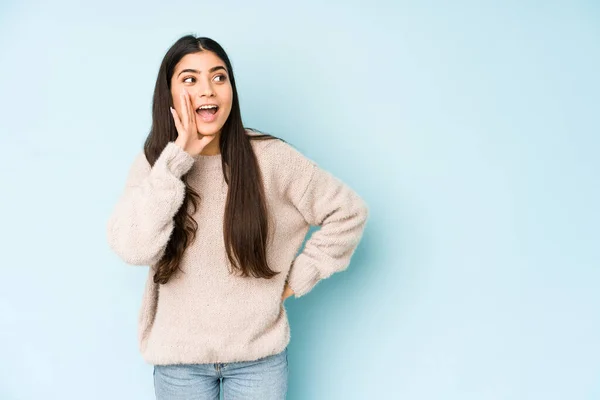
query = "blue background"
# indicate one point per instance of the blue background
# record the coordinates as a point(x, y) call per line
point(470, 128)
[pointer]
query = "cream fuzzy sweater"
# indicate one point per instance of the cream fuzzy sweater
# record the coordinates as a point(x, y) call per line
point(206, 314)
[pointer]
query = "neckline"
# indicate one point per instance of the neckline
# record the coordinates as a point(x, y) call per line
point(213, 162)
point(208, 162)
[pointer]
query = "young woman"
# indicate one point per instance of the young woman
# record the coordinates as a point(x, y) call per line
point(219, 213)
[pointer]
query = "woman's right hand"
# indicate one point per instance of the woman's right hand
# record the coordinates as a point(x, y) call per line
point(187, 131)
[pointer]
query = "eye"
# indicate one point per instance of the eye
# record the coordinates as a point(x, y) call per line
point(188, 77)
point(222, 77)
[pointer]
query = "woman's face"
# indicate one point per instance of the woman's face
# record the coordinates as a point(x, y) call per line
point(204, 76)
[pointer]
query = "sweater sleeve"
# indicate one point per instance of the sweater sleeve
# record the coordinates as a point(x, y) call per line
point(327, 202)
point(141, 222)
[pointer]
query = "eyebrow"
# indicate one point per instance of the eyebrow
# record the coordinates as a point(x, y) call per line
point(213, 69)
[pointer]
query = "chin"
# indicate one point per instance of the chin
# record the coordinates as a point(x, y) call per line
point(209, 132)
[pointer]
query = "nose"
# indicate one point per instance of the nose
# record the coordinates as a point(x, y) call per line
point(206, 89)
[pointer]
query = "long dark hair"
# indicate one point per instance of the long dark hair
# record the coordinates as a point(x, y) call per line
point(245, 223)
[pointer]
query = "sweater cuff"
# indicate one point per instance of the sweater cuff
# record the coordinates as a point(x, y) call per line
point(177, 160)
point(303, 276)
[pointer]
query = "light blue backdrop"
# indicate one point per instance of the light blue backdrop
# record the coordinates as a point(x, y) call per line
point(470, 128)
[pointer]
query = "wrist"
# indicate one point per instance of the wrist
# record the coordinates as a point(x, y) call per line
point(181, 144)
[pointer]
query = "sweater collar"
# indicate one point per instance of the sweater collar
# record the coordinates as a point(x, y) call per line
point(208, 162)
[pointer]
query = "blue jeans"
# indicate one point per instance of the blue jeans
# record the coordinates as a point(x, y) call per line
point(264, 379)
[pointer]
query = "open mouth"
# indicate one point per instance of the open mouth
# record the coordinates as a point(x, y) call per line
point(207, 112)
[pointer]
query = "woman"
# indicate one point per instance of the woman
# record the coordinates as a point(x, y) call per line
point(219, 213)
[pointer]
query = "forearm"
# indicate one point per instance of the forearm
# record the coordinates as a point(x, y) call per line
point(341, 214)
point(142, 221)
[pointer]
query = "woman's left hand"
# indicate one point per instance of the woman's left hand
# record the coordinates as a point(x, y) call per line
point(287, 292)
